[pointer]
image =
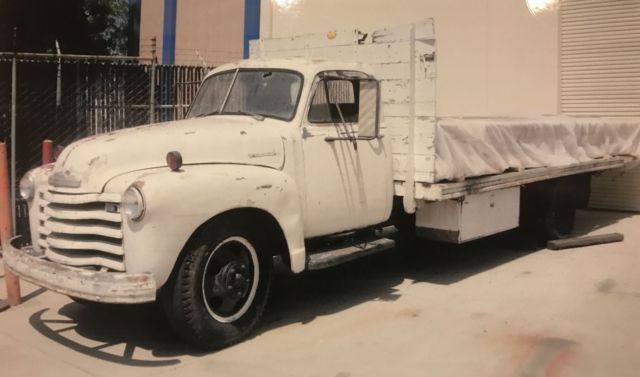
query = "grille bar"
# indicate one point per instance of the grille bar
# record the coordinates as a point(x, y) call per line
point(83, 260)
point(69, 227)
point(52, 196)
point(77, 230)
point(58, 241)
point(80, 214)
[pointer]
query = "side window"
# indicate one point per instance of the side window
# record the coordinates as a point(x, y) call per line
point(335, 101)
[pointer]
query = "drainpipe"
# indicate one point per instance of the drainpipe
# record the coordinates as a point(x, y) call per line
point(169, 32)
point(168, 57)
point(251, 23)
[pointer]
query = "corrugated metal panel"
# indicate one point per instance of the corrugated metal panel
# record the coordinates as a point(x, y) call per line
point(600, 75)
point(616, 190)
point(600, 57)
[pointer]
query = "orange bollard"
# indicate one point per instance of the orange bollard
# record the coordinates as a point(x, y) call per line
point(11, 281)
point(47, 152)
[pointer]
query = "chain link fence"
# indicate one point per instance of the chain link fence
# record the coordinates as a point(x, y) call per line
point(67, 97)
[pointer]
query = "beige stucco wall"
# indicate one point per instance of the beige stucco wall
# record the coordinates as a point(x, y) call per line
point(494, 58)
point(151, 16)
point(215, 28)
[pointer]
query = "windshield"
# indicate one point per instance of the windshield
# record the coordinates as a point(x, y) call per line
point(255, 92)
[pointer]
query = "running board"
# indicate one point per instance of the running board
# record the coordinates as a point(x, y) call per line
point(330, 258)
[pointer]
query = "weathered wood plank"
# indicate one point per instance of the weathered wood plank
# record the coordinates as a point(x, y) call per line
point(442, 191)
point(568, 243)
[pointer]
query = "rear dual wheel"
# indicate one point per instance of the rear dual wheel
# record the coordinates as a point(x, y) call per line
point(221, 287)
point(548, 209)
point(560, 217)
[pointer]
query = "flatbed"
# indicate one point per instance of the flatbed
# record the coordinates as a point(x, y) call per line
point(454, 190)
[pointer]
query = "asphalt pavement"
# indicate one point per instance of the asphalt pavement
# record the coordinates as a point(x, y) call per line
point(493, 307)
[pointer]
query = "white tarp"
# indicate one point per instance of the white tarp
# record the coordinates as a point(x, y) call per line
point(470, 147)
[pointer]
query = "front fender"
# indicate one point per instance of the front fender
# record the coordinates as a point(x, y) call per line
point(177, 203)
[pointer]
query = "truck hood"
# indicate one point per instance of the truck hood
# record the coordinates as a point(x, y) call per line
point(88, 164)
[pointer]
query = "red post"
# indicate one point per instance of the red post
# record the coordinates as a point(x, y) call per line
point(11, 281)
point(47, 152)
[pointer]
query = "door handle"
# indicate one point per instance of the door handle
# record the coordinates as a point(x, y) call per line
point(347, 138)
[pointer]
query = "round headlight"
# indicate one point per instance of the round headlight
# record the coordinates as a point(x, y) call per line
point(27, 187)
point(133, 203)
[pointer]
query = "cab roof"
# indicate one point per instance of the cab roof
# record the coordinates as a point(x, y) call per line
point(308, 67)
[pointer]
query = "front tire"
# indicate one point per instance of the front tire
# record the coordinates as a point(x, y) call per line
point(221, 287)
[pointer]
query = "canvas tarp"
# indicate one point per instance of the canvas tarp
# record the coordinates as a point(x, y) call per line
point(471, 147)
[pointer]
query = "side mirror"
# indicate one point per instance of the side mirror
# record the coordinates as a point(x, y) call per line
point(368, 110)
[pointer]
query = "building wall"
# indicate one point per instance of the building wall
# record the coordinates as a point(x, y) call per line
point(600, 75)
point(151, 16)
point(215, 28)
point(494, 57)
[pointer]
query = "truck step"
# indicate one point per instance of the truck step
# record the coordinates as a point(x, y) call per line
point(329, 258)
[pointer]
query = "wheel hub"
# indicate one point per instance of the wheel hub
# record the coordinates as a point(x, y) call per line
point(233, 280)
point(230, 279)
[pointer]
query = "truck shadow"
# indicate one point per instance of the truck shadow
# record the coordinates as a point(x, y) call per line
point(132, 335)
point(138, 335)
point(302, 298)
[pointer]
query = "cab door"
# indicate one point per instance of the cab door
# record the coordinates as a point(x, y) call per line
point(347, 165)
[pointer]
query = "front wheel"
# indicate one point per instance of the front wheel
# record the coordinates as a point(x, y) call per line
point(221, 287)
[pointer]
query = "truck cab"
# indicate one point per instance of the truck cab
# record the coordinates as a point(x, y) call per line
point(273, 152)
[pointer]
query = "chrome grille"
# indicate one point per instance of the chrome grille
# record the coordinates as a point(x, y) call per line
point(77, 230)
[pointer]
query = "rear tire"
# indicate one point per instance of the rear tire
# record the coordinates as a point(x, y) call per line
point(220, 288)
point(548, 209)
point(560, 216)
point(405, 223)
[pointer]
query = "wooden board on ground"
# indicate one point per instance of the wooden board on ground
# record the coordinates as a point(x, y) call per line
point(584, 241)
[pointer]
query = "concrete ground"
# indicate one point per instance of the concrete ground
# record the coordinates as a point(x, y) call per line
point(488, 308)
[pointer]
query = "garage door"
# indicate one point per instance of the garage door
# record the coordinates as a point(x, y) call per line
point(600, 75)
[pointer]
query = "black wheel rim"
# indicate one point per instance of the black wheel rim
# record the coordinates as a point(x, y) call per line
point(229, 280)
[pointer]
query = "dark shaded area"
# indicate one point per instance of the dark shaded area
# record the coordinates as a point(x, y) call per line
point(302, 298)
point(81, 26)
point(133, 28)
point(33, 294)
point(114, 327)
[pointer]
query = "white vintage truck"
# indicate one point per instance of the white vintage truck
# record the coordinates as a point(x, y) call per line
point(305, 151)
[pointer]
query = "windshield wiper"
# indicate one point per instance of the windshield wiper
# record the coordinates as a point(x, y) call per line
point(253, 115)
point(242, 112)
point(213, 112)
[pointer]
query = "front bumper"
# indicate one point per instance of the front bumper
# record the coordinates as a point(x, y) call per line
point(100, 286)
